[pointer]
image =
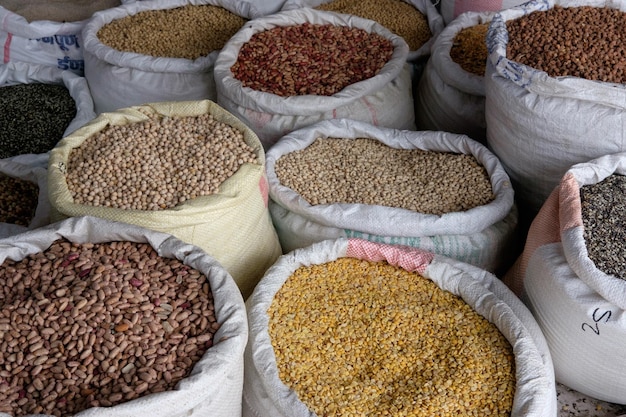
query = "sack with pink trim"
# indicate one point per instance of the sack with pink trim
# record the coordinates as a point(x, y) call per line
point(266, 394)
point(579, 307)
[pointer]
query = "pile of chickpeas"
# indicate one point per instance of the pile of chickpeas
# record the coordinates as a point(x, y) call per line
point(156, 164)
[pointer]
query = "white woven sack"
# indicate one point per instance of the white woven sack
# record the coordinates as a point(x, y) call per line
point(426, 7)
point(449, 98)
point(481, 236)
point(34, 169)
point(385, 99)
point(579, 308)
point(232, 225)
point(26, 73)
point(216, 381)
point(121, 79)
point(451, 9)
point(56, 44)
point(539, 126)
point(265, 395)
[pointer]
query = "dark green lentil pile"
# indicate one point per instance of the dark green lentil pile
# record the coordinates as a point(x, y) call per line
point(33, 118)
point(18, 200)
point(603, 208)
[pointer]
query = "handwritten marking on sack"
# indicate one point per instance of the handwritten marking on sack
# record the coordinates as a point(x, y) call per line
point(597, 318)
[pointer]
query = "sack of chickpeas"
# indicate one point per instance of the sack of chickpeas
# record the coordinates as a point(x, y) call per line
point(24, 202)
point(47, 32)
point(40, 105)
point(437, 191)
point(186, 168)
point(417, 21)
point(158, 50)
point(451, 91)
point(555, 91)
point(294, 68)
point(572, 274)
point(352, 327)
point(101, 318)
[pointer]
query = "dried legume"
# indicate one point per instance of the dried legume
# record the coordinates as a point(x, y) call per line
point(603, 206)
point(190, 31)
point(354, 337)
point(469, 48)
point(310, 59)
point(366, 171)
point(90, 325)
point(18, 200)
point(398, 16)
point(34, 117)
point(586, 42)
point(156, 164)
point(58, 10)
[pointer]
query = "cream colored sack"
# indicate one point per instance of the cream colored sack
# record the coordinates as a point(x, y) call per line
point(233, 225)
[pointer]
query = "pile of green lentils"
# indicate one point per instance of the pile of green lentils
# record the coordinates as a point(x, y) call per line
point(34, 117)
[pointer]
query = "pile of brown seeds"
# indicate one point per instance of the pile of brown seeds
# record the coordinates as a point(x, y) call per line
point(603, 206)
point(310, 59)
point(18, 200)
point(156, 164)
point(586, 42)
point(190, 31)
point(366, 171)
point(90, 325)
point(469, 48)
point(355, 338)
point(400, 17)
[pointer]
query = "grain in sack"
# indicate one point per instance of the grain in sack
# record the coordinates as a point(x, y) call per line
point(40, 105)
point(186, 168)
point(352, 327)
point(555, 92)
point(437, 191)
point(264, 7)
point(158, 50)
point(24, 203)
point(451, 92)
point(110, 319)
point(571, 277)
point(417, 22)
point(331, 66)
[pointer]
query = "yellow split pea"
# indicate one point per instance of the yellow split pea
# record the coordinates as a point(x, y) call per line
point(354, 337)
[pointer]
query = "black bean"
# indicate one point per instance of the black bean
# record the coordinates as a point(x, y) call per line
point(33, 118)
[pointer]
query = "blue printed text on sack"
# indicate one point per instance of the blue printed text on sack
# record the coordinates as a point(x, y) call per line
point(76, 65)
point(63, 41)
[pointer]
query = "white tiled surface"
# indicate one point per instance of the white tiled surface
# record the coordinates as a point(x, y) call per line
point(574, 404)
